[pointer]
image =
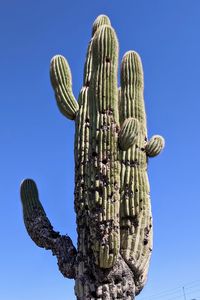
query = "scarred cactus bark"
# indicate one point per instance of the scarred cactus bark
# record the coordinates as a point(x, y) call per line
point(114, 221)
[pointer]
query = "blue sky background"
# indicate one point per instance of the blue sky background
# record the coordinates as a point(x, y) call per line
point(37, 141)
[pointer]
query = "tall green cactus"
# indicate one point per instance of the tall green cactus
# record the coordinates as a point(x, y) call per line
point(112, 203)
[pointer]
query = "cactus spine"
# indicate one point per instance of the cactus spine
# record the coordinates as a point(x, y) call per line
point(112, 203)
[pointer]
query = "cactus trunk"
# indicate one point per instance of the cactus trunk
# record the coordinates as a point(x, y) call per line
point(112, 203)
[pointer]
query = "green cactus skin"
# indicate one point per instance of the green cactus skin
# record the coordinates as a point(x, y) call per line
point(98, 176)
point(61, 81)
point(155, 145)
point(100, 20)
point(135, 209)
point(128, 133)
point(112, 203)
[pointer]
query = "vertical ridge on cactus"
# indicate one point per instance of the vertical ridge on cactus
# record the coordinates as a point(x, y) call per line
point(111, 150)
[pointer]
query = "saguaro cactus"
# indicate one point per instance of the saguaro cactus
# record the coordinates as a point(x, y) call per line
point(112, 203)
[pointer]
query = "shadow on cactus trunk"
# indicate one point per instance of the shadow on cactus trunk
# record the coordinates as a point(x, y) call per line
point(112, 202)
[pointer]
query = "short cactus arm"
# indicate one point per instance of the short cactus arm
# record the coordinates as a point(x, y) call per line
point(61, 81)
point(155, 145)
point(41, 231)
point(129, 133)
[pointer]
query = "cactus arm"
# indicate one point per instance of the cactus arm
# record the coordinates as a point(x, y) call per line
point(132, 87)
point(41, 231)
point(61, 81)
point(129, 133)
point(155, 145)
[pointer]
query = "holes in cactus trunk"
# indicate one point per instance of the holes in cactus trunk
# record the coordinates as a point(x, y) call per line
point(104, 161)
point(110, 111)
point(111, 195)
point(117, 280)
point(94, 154)
point(116, 185)
point(107, 59)
point(100, 190)
point(87, 83)
point(92, 277)
point(93, 294)
point(117, 129)
point(111, 251)
point(145, 242)
point(146, 231)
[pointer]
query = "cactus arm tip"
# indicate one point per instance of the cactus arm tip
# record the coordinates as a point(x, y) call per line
point(61, 81)
point(155, 145)
point(41, 231)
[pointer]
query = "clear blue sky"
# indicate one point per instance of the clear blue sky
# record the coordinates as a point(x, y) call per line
point(37, 141)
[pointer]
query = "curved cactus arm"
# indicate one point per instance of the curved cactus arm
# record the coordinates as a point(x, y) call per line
point(155, 145)
point(129, 133)
point(41, 231)
point(61, 81)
